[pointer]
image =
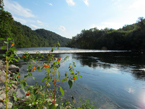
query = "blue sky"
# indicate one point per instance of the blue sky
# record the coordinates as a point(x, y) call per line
point(69, 17)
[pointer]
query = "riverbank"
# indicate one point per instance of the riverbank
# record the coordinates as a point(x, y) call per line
point(12, 88)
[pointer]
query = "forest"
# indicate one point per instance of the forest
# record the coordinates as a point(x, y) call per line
point(129, 37)
point(24, 36)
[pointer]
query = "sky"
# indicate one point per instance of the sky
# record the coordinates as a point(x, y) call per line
point(69, 17)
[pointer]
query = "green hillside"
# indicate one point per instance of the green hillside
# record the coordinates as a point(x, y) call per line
point(52, 37)
point(24, 36)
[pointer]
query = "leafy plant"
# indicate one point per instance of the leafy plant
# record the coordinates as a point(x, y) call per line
point(38, 96)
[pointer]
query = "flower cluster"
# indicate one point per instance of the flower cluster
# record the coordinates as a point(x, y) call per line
point(28, 93)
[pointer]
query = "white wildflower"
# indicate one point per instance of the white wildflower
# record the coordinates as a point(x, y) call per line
point(56, 105)
point(30, 105)
point(48, 100)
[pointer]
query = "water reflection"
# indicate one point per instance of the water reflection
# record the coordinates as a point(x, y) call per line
point(123, 61)
point(139, 74)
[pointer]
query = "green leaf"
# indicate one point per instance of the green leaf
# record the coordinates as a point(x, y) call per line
point(9, 39)
point(66, 74)
point(66, 58)
point(58, 43)
point(2, 39)
point(25, 76)
point(65, 79)
point(48, 70)
point(29, 74)
point(80, 76)
point(52, 49)
point(43, 79)
point(15, 59)
point(23, 84)
point(13, 49)
point(18, 57)
point(15, 98)
point(5, 42)
point(74, 64)
point(52, 106)
point(78, 72)
point(3, 55)
point(70, 83)
point(3, 47)
point(38, 68)
point(61, 90)
point(37, 96)
point(61, 107)
point(41, 87)
point(33, 78)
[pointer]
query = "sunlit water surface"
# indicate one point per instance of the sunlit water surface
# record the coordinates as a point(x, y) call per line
point(111, 80)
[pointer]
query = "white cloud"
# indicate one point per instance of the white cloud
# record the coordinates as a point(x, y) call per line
point(17, 9)
point(70, 2)
point(130, 90)
point(62, 28)
point(113, 70)
point(50, 4)
point(86, 2)
point(20, 20)
point(38, 21)
point(138, 5)
point(34, 26)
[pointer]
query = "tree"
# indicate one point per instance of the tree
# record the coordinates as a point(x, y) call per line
point(1, 5)
point(141, 22)
point(6, 21)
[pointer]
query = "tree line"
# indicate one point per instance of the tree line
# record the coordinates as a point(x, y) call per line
point(129, 37)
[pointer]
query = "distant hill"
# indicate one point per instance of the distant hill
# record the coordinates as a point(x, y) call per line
point(24, 36)
point(52, 37)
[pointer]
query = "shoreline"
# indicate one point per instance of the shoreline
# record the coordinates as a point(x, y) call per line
point(20, 93)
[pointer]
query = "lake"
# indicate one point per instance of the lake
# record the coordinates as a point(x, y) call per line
point(111, 80)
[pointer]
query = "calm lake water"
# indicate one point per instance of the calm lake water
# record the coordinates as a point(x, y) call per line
point(111, 80)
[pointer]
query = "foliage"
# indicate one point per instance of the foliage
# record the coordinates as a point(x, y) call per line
point(1, 5)
point(38, 95)
point(130, 37)
point(52, 37)
point(9, 56)
point(6, 21)
point(25, 37)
